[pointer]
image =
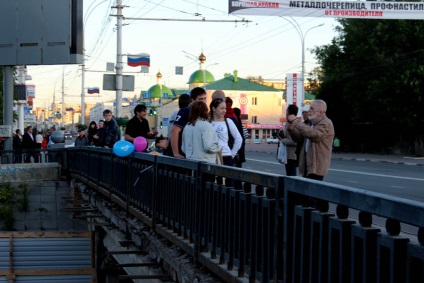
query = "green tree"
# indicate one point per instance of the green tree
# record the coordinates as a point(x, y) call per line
point(373, 82)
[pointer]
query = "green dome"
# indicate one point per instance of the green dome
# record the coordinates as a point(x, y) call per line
point(197, 77)
point(155, 91)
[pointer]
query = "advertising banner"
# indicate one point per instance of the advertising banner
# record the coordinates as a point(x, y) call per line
point(330, 9)
point(294, 89)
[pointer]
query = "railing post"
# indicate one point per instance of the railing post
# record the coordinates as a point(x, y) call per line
point(154, 194)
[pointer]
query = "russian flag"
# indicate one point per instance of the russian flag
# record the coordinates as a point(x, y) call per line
point(92, 90)
point(142, 59)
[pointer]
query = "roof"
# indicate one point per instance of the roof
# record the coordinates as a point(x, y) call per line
point(197, 77)
point(228, 83)
point(155, 92)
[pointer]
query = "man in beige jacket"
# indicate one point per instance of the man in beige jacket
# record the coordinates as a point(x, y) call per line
point(315, 155)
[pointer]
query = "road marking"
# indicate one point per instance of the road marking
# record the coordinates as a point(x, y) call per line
point(397, 187)
point(352, 172)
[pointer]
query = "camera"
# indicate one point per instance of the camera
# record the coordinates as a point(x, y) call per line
point(279, 133)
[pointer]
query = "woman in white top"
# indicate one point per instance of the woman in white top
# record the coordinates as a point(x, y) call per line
point(223, 127)
point(199, 138)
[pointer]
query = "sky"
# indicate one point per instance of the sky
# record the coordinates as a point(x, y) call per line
point(267, 46)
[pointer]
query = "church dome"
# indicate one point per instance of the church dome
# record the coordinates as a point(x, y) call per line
point(197, 77)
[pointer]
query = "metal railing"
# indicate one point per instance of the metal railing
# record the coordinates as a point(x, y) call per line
point(267, 227)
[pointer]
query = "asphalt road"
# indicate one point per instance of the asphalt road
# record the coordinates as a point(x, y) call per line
point(394, 179)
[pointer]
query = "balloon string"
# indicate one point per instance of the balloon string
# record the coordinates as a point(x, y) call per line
point(136, 181)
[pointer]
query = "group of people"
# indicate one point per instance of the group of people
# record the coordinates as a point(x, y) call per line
point(29, 140)
point(104, 134)
point(308, 144)
point(211, 134)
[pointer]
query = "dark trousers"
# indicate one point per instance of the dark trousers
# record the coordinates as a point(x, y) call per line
point(291, 166)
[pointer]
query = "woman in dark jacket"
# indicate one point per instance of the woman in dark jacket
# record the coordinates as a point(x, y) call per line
point(92, 130)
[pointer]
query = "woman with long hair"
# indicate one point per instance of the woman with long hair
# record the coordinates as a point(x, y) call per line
point(92, 130)
point(199, 140)
point(229, 137)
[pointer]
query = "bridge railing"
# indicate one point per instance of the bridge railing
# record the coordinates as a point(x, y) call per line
point(267, 227)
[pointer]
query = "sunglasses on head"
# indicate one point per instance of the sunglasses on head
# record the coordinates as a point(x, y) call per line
point(218, 100)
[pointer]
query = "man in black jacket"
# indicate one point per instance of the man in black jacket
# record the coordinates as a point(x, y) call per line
point(28, 142)
point(110, 130)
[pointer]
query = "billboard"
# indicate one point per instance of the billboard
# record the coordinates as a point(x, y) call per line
point(330, 9)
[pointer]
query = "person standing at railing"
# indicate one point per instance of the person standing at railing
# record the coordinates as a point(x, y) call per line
point(289, 143)
point(110, 130)
point(225, 129)
point(138, 126)
point(199, 137)
point(81, 139)
point(181, 120)
point(315, 155)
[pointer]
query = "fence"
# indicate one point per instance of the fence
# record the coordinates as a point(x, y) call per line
point(259, 226)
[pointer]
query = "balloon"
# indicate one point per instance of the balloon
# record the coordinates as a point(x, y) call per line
point(123, 148)
point(140, 144)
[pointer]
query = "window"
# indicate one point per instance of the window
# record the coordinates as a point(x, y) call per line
point(254, 119)
point(254, 101)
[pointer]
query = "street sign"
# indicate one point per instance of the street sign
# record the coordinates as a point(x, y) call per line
point(5, 131)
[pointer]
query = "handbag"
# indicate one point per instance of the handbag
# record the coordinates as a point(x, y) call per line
point(219, 159)
point(230, 136)
point(236, 158)
point(282, 153)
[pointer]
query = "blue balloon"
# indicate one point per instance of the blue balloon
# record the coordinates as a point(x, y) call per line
point(123, 148)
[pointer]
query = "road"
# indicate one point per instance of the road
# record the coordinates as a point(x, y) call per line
point(394, 179)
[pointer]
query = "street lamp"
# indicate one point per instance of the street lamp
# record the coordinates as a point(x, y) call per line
point(302, 40)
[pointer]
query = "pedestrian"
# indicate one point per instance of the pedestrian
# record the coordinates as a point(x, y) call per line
point(99, 136)
point(17, 146)
point(199, 140)
point(162, 143)
point(336, 145)
point(183, 101)
point(305, 115)
point(243, 132)
point(81, 139)
point(92, 130)
point(52, 129)
point(196, 94)
point(39, 139)
point(286, 139)
point(229, 113)
point(229, 138)
point(315, 155)
point(138, 126)
point(110, 130)
point(29, 143)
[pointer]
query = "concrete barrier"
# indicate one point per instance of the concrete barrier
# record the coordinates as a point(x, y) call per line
point(29, 173)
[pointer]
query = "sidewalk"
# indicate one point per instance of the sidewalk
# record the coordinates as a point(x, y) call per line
point(398, 159)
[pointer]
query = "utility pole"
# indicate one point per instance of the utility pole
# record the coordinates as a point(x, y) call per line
point(82, 87)
point(119, 65)
point(63, 98)
point(8, 102)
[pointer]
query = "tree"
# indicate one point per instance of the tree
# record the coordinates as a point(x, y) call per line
point(373, 82)
point(254, 79)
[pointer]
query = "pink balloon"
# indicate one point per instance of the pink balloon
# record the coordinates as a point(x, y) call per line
point(140, 144)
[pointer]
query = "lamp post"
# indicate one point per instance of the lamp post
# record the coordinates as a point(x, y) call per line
point(302, 36)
